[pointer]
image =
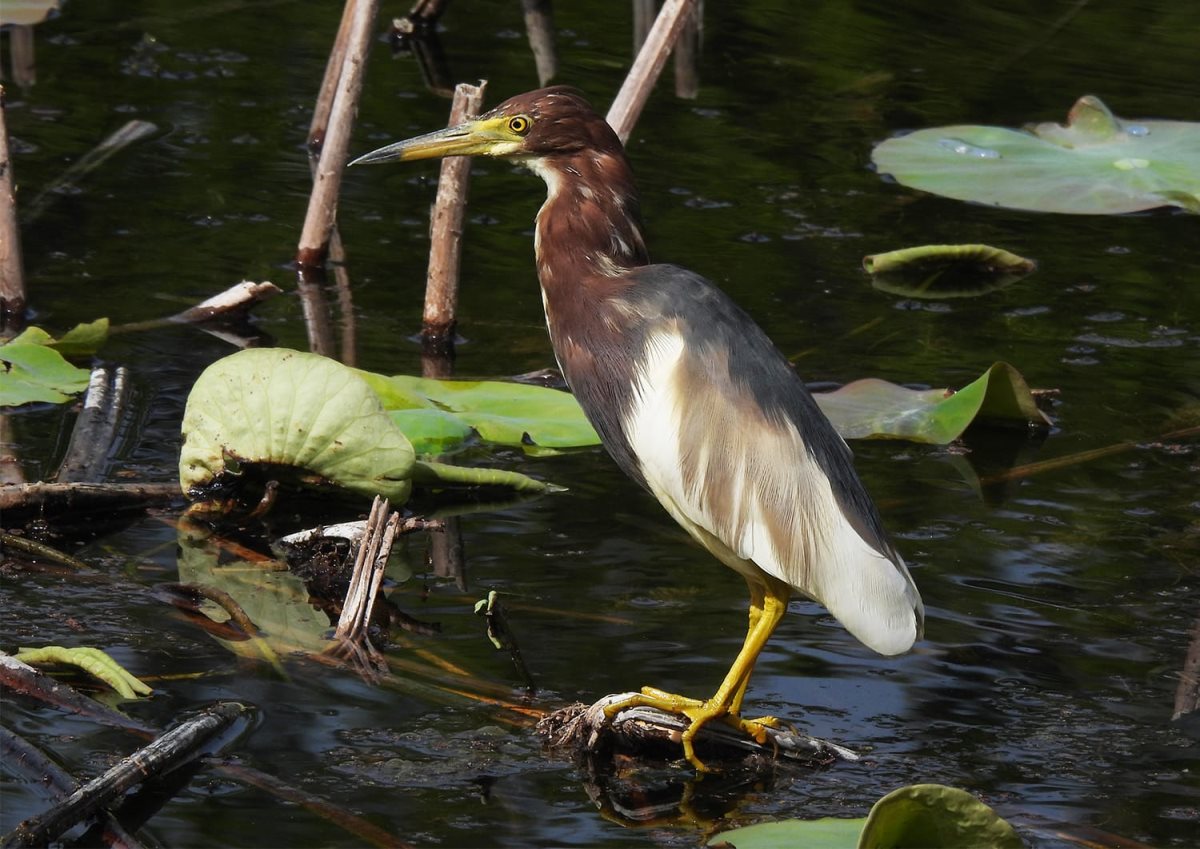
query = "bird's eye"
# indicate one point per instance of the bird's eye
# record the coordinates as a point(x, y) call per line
point(519, 124)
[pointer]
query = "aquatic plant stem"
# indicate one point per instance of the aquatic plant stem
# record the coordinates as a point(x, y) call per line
point(12, 275)
point(634, 92)
point(446, 229)
point(322, 206)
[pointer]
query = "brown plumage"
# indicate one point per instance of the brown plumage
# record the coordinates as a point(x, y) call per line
point(690, 397)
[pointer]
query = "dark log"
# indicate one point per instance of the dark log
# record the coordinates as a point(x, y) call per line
point(171, 750)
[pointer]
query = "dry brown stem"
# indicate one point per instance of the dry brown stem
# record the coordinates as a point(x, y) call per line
point(322, 205)
point(12, 275)
point(441, 288)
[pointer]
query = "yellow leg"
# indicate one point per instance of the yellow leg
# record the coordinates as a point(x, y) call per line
point(768, 603)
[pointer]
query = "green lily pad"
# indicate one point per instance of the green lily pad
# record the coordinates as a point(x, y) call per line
point(30, 372)
point(933, 815)
point(443, 411)
point(80, 341)
point(923, 816)
point(1097, 164)
point(946, 271)
point(827, 833)
point(872, 408)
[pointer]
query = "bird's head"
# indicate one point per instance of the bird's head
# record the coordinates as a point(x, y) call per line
point(546, 123)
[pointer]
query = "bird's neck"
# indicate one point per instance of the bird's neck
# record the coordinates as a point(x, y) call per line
point(589, 229)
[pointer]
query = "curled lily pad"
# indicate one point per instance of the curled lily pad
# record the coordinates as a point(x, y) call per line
point(275, 406)
point(922, 816)
point(1096, 164)
point(933, 815)
point(872, 408)
point(946, 271)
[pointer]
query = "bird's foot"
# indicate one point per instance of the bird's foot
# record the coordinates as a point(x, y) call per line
point(699, 713)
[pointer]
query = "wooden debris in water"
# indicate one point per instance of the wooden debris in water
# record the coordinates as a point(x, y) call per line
point(647, 732)
point(170, 751)
point(94, 436)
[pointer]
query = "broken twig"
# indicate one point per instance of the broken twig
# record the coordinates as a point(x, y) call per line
point(86, 496)
point(369, 566)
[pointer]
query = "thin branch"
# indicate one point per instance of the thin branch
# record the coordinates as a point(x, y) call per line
point(20, 677)
point(353, 824)
point(86, 496)
point(40, 549)
point(369, 566)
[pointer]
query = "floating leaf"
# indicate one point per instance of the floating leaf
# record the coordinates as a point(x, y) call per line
point(827, 833)
point(30, 373)
point(923, 816)
point(946, 271)
point(94, 662)
point(874, 408)
point(933, 815)
point(432, 431)
point(1096, 164)
point(500, 412)
point(81, 340)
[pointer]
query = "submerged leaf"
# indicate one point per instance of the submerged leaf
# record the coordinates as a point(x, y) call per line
point(872, 408)
point(1096, 164)
point(946, 271)
point(936, 817)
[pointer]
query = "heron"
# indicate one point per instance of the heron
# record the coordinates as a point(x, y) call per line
point(691, 399)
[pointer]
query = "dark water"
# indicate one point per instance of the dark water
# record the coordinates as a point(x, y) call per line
point(1061, 606)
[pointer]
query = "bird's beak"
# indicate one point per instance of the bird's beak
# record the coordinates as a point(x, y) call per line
point(481, 137)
